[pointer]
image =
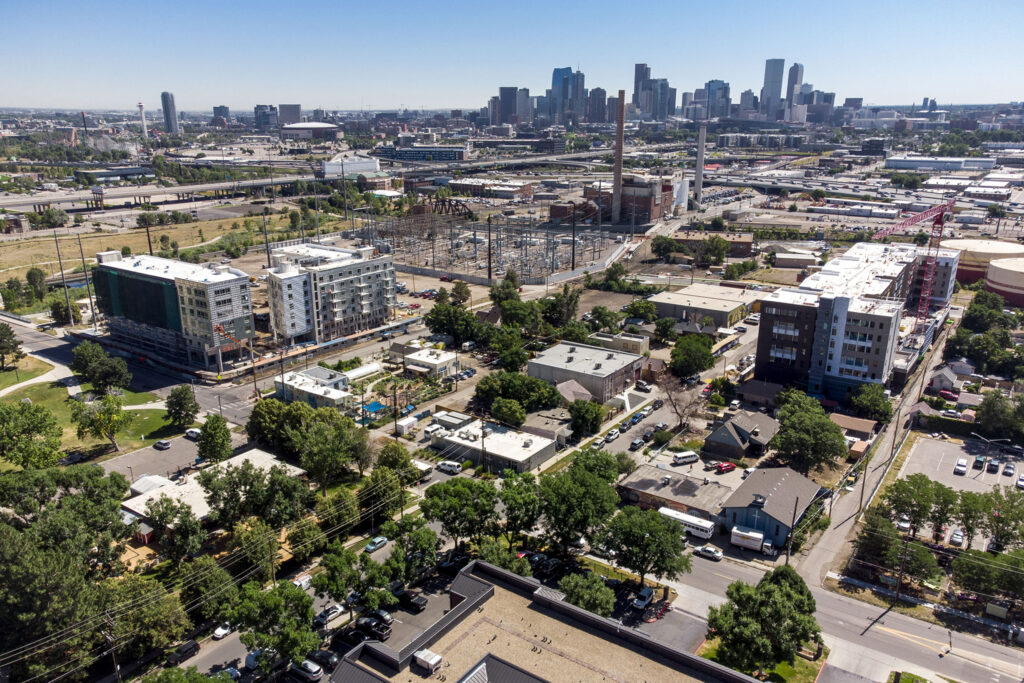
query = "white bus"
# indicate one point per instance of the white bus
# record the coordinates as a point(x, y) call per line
point(701, 528)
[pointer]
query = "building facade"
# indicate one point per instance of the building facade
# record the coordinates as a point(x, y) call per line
point(319, 293)
point(171, 126)
point(175, 311)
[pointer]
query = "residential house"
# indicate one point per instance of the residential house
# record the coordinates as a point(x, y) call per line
point(652, 487)
point(944, 379)
point(744, 435)
point(766, 501)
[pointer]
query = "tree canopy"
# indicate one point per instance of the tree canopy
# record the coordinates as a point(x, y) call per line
point(182, 406)
point(691, 355)
point(648, 543)
point(464, 507)
point(29, 435)
point(807, 440)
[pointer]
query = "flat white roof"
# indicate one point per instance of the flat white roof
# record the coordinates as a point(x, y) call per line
point(189, 491)
point(596, 361)
point(310, 385)
point(866, 269)
point(170, 269)
point(715, 297)
point(501, 441)
point(430, 357)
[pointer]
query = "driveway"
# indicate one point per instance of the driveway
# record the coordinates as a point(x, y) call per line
point(181, 455)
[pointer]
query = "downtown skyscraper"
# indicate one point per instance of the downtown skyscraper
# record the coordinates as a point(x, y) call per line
point(171, 126)
point(771, 91)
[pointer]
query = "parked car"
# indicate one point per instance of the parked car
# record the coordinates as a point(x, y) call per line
point(979, 462)
point(993, 465)
point(657, 403)
point(412, 601)
point(193, 433)
point(162, 445)
point(611, 436)
point(329, 614)
point(643, 598)
point(903, 523)
point(961, 466)
point(1009, 469)
point(643, 386)
point(660, 427)
point(1020, 482)
point(723, 467)
point(636, 444)
point(189, 648)
point(306, 670)
point(327, 660)
point(222, 631)
point(376, 543)
point(382, 615)
point(648, 435)
point(349, 638)
point(710, 552)
point(374, 627)
point(956, 538)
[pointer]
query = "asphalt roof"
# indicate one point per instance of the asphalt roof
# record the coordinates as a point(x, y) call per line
point(781, 487)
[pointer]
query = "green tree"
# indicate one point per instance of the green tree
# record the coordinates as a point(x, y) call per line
point(921, 238)
point(1004, 516)
point(911, 497)
point(664, 330)
point(507, 289)
point(374, 580)
point(265, 425)
point(155, 620)
point(395, 457)
point(642, 308)
point(305, 539)
point(970, 514)
point(101, 419)
point(663, 247)
point(207, 587)
point(493, 552)
point(460, 293)
point(761, 626)
point(324, 450)
point(29, 435)
point(182, 406)
point(338, 511)
point(340, 572)
point(59, 313)
point(520, 496)
point(995, 414)
point(648, 543)
point(586, 417)
point(597, 461)
point(574, 503)
point(257, 541)
point(464, 507)
point(807, 440)
point(109, 373)
point(977, 571)
point(381, 494)
point(605, 319)
point(189, 675)
point(508, 411)
point(214, 442)
point(279, 619)
point(588, 592)
point(10, 346)
point(415, 547)
point(691, 355)
point(944, 505)
point(36, 279)
point(870, 402)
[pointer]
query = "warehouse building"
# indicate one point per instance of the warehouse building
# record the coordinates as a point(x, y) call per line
point(943, 164)
point(726, 306)
point(740, 243)
point(316, 386)
point(602, 372)
point(180, 312)
point(319, 293)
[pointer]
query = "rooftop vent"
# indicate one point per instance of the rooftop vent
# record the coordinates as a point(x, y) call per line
point(666, 480)
point(759, 500)
point(572, 349)
point(597, 366)
point(527, 443)
point(569, 359)
point(610, 356)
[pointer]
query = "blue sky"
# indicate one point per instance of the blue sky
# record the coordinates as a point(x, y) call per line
point(373, 55)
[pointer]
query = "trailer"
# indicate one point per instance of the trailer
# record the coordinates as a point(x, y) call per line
point(745, 537)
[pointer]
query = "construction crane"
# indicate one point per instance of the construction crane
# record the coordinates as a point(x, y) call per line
point(252, 356)
point(938, 215)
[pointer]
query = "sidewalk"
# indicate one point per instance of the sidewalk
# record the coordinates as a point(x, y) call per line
point(59, 373)
point(942, 609)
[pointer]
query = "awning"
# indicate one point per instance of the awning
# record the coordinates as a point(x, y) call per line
point(418, 369)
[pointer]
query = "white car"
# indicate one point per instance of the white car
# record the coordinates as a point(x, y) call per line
point(956, 538)
point(222, 631)
point(611, 436)
point(1020, 482)
point(193, 433)
point(961, 466)
point(709, 551)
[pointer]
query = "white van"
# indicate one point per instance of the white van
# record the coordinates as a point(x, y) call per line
point(432, 429)
point(449, 467)
point(685, 458)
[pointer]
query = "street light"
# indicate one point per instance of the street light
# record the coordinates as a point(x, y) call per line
point(988, 442)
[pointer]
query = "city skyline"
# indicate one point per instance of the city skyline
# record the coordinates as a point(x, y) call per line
point(467, 71)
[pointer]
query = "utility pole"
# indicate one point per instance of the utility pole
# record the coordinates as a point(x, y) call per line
point(903, 561)
point(573, 266)
point(792, 530)
point(64, 281)
point(394, 405)
point(88, 287)
point(149, 239)
point(108, 635)
point(489, 250)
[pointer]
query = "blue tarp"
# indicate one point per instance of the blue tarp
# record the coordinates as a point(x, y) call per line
point(374, 407)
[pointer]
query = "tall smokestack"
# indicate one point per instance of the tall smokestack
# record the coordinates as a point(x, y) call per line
point(698, 179)
point(142, 117)
point(620, 126)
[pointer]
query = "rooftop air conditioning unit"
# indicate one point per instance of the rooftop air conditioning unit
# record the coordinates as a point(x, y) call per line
point(527, 443)
point(666, 480)
point(572, 349)
point(597, 367)
point(610, 356)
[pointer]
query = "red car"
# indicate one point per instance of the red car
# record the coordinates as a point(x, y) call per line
point(949, 395)
point(706, 390)
point(414, 306)
point(724, 467)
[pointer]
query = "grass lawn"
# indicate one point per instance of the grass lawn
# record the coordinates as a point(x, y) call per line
point(131, 398)
point(28, 368)
point(800, 671)
point(906, 677)
point(149, 425)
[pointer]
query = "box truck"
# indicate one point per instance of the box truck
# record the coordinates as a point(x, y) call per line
point(752, 539)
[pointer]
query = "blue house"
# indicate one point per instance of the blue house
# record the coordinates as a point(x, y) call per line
point(765, 502)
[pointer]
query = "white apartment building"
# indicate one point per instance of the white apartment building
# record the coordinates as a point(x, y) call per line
point(320, 293)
